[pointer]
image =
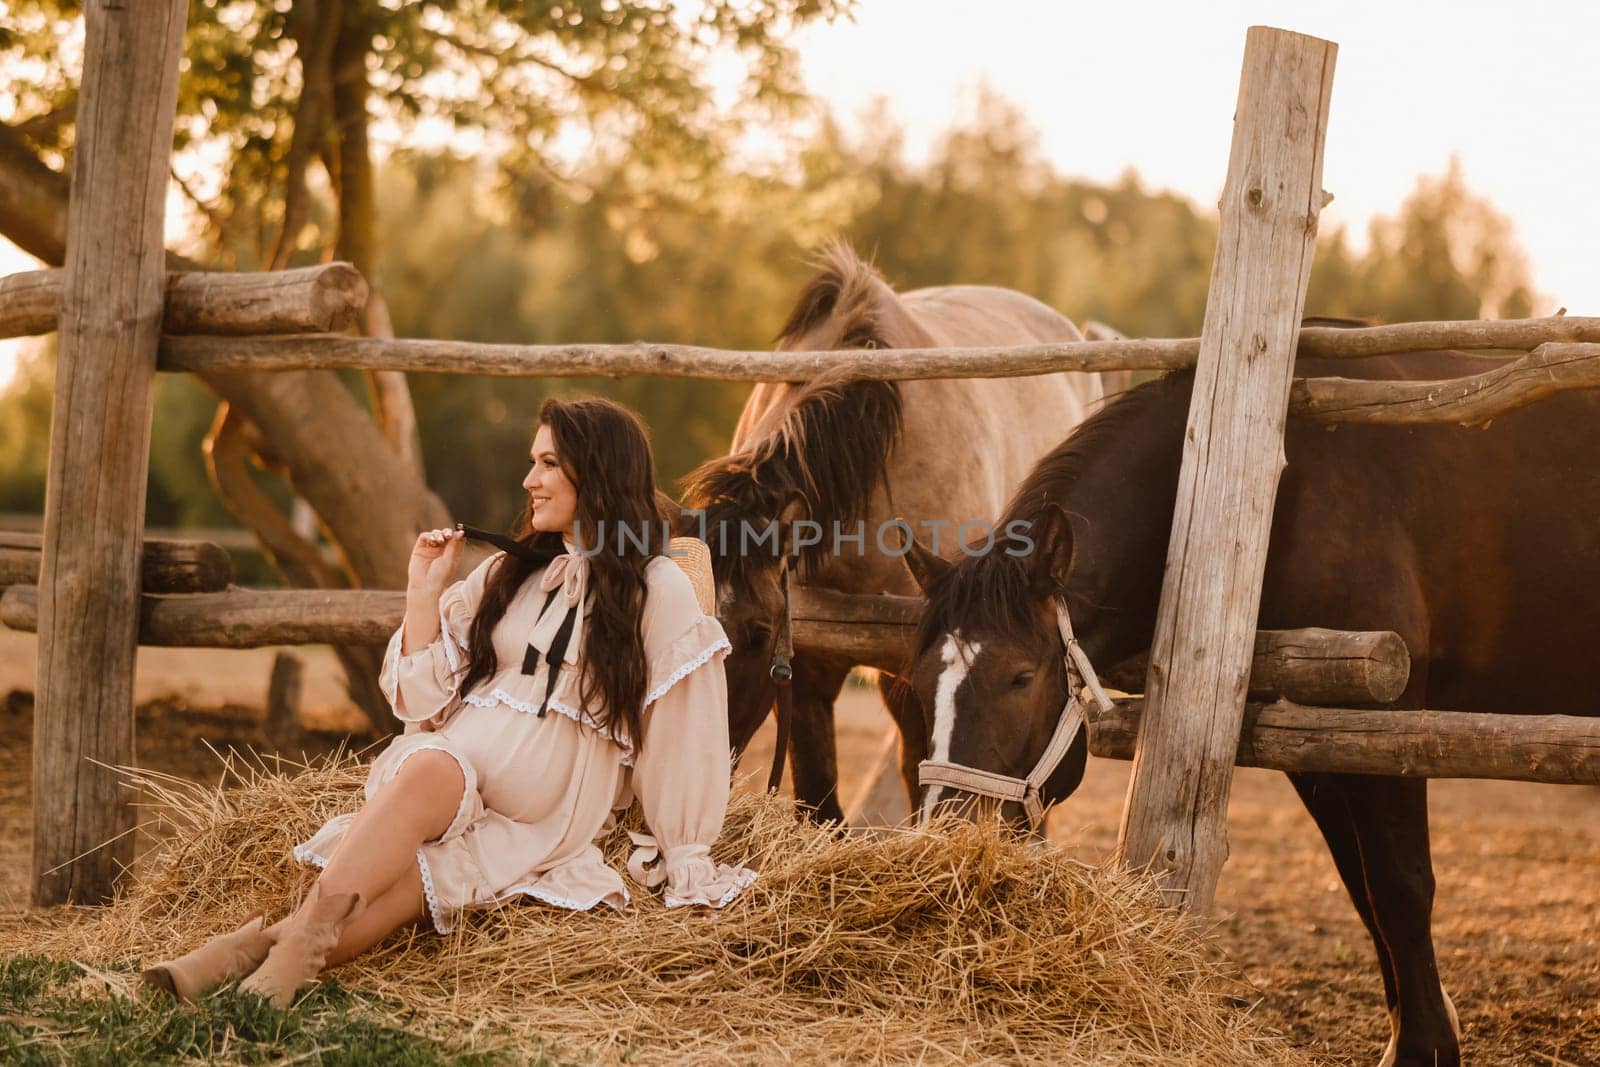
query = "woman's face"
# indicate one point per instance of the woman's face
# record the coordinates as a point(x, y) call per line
point(552, 498)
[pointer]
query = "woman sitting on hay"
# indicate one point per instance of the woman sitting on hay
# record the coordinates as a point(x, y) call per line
point(488, 796)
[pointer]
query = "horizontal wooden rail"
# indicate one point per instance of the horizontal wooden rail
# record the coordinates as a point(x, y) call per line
point(167, 566)
point(873, 630)
point(671, 361)
point(1310, 666)
point(687, 361)
point(1467, 336)
point(1560, 749)
point(245, 618)
point(252, 618)
point(316, 299)
point(1551, 368)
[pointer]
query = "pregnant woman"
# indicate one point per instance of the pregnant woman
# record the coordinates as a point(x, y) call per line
point(560, 680)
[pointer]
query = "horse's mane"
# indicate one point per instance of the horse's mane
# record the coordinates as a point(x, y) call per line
point(842, 289)
point(996, 592)
point(835, 440)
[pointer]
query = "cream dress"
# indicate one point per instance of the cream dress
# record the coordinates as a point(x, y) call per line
point(540, 790)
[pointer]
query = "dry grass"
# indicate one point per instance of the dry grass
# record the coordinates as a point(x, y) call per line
point(960, 946)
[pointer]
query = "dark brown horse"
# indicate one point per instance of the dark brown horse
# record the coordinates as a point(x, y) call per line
point(852, 456)
point(1480, 547)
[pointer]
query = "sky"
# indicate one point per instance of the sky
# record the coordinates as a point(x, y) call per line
point(1151, 86)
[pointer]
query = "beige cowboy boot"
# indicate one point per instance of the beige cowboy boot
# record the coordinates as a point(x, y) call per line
point(302, 944)
point(224, 957)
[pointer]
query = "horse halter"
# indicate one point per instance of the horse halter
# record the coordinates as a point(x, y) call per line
point(782, 673)
point(1083, 686)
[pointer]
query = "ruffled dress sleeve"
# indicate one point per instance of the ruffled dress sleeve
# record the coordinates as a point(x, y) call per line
point(423, 687)
point(682, 769)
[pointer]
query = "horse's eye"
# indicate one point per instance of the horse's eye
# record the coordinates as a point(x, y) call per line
point(760, 633)
point(1022, 680)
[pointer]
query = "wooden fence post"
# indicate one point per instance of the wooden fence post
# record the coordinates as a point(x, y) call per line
point(1175, 817)
point(100, 447)
point(285, 689)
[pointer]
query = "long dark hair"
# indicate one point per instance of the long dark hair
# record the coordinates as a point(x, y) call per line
point(605, 451)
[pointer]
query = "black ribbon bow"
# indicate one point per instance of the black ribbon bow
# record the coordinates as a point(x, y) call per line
point(563, 637)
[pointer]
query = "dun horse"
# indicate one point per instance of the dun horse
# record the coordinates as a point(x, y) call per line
point(850, 456)
point(1478, 546)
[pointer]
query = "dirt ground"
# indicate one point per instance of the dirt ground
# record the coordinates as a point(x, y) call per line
point(1517, 917)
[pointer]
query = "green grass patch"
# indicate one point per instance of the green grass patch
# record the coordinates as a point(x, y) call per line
point(55, 1012)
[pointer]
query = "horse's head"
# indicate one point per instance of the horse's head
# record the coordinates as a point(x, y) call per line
point(805, 453)
point(746, 526)
point(989, 668)
point(1086, 532)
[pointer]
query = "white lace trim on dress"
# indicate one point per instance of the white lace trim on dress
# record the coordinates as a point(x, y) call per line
point(392, 654)
point(647, 866)
point(449, 640)
point(442, 923)
point(305, 855)
point(547, 897)
point(302, 854)
point(685, 669)
point(497, 696)
point(744, 878)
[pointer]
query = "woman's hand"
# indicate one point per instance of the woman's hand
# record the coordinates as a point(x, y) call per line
point(433, 563)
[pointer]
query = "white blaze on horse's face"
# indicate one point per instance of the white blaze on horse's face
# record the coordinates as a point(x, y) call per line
point(957, 655)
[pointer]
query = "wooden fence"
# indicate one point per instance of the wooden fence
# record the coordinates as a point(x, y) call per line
point(94, 589)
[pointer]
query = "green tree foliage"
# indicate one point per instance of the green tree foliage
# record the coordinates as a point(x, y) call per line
point(987, 209)
point(588, 271)
point(1447, 254)
point(532, 85)
point(983, 209)
point(25, 430)
point(179, 493)
point(279, 100)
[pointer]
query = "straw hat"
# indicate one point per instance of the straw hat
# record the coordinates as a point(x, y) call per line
point(694, 557)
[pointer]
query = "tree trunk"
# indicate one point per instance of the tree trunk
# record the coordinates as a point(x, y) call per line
point(372, 504)
point(33, 200)
point(358, 217)
point(314, 28)
point(230, 444)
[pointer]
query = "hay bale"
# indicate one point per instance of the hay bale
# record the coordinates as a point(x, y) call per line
point(962, 945)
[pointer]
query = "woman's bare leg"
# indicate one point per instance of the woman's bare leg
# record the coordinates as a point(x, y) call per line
point(401, 905)
point(380, 848)
point(375, 864)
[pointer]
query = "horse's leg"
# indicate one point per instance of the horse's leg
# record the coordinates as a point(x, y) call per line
point(1390, 818)
point(1392, 823)
point(813, 754)
point(1324, 798)
point(901, 700)
point(1376, 826)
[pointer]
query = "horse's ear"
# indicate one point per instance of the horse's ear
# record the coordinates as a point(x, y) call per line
point(795, 509)
point(924, 564)
point(1051, 558)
